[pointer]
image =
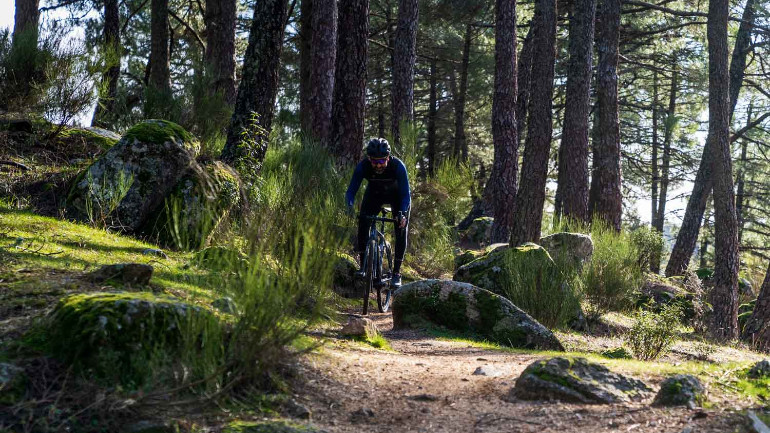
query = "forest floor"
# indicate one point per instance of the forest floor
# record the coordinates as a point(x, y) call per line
point(426, 384)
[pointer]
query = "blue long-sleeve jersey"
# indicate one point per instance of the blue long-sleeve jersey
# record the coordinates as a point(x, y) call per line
point(393, 180)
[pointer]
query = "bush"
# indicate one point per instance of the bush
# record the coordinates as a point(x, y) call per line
point(649, 245)
point(614, 274)
point(547, 291)
point(653, 333)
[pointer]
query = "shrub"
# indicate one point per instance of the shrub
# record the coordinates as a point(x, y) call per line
point(649, 245)
point(653, 333)
point(547, 291)
point(614, 273)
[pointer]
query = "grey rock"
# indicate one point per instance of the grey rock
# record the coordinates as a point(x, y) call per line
point(462, 306)
point(363, 414)
point(130, 274)
point(577, 380)
point(760, 369)
point(757, 425)
point(423, 397)
point(225, 304)
point(155, 252)
point(106, 133)
point(479, 233)
point(576, 248)
point(680, 390)
point(486, 370)
point(150, 159)
point(297, 410)
point(149, 426)
point(360, 326)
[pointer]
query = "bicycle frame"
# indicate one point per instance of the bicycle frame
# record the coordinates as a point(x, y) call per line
point(376, 250)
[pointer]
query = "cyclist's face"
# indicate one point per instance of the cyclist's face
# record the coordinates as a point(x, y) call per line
point(379, 164)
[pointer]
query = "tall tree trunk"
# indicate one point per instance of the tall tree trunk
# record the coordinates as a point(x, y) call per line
point(220, 47)
point(659, 219)
point(605, 199)
point(305, 47)
point(381, 107)
point(350, 81)
point(461, 145)
point(740, 197)
point(655, 145)
point(696, 205)
point(523, 77)
point(105, 107)
point(432, 109)
point(501, 187)
point(27, 15)
point(323, 53)
point(572, 187)
point(724, 295)
point(247, 136)
point(404, 58)
point(530, 198)
point(757, 329)
point(159, 85)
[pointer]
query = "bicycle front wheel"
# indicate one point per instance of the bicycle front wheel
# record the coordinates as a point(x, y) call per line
point(384, 293)
point(370, 275)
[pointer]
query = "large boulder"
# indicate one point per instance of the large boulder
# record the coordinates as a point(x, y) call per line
point(133, 337)
point(576, 380)
point(489, 271)
point(464, 307)
point(196, 206)
point(573, 248)
point(130, 182)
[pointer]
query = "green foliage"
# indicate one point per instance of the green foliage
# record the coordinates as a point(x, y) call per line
point(159, 131)
point(104, 195)
point(653, 333)
point(617, 353)
point(649, 245)
point(614, 273)
point(547, 291)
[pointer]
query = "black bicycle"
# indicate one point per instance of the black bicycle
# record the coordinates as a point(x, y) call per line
point(378, 263)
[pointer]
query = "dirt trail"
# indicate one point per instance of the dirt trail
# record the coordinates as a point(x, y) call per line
point(428, 385)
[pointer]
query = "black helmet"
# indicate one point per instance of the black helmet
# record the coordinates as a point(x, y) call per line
point(377, 148)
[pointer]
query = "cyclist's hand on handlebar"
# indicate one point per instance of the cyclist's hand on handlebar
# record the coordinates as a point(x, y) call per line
point(401, 220)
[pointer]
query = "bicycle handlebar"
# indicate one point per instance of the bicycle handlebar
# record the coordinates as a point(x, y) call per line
point(376, 218)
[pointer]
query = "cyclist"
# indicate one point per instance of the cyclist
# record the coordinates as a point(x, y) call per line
point(388, 183)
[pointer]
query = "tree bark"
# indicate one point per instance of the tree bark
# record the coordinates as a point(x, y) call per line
point(247, 137)
point(220, 47)
point(501, 186)
point(740, 196)
point(431, 121)
point(323, 54)
point(572, 187)
point(530, 198)
point(655, 145)
point(159, 83)
point(347, 134)
point(27, 15)
point(659, 219)
point(305, 48)
point(696, 205)
point(757, 329)
point(605, 199)
point(460, 145)
point(105, 106)
point(724, 295)
point(404, 58)
point(523, 78)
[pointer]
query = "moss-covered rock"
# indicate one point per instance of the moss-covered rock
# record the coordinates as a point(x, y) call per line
point(344, 281)
point(101, 138)
point(196, 206)
point(133, 337)
point(131, 181)
point(464, 307)
point(576, 380)
point(573, 248)
point(479, 233)
point(269, 427)
point(680, 390)
point(488, 271)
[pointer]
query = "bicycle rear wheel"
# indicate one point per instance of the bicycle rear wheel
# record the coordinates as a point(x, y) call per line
point(370, 257)
point(384, 293)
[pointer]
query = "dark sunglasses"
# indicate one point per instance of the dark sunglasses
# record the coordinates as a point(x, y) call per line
point(378, 161)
